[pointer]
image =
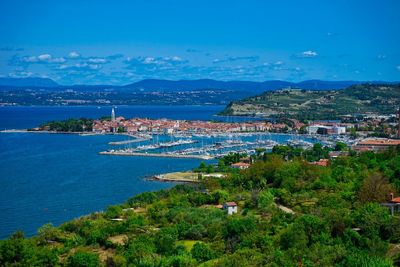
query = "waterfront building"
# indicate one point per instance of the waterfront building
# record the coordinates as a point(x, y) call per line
point(326, 129)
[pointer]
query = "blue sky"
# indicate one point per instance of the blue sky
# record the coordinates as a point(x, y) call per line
point(118, 42)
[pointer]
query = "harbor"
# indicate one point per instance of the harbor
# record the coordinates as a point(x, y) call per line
point(206, 147)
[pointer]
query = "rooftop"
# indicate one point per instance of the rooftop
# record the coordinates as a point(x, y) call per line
point(230, 204)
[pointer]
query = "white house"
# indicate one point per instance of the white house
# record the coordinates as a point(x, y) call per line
point(231, 207)
point(339, 129)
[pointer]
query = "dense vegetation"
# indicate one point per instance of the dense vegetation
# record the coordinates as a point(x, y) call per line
point(312, 105)
point(291, 213)
point(70, 125)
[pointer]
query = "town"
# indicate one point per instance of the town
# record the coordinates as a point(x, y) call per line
point(361, 133)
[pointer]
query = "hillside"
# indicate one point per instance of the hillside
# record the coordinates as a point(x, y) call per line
point(312, 104)
point(290, 213)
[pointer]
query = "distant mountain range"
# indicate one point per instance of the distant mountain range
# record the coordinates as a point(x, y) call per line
point(28, 82)
point(236, 85)
point(182, 85)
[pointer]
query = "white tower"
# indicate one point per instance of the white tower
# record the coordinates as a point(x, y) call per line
point(112, 114)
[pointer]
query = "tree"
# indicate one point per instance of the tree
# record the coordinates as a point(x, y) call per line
point(340, 146)
point(48, 233)
point(140, 250)
point(265, 199)
point(165, 239)
point(83, 259)
point(202, 252)
point(220, 196)
point(113, 211)
point(375, 188)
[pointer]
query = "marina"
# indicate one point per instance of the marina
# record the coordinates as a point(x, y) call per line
point(206, 147)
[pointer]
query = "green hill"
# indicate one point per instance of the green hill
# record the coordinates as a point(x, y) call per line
point(311, 104)
point(290, 213)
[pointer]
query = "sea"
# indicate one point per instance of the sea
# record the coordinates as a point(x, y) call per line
point(53, 178)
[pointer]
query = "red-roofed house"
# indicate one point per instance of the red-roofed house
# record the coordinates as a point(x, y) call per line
point(393, 203)
point(240, 165)
point(321, 162)
point(231, 207)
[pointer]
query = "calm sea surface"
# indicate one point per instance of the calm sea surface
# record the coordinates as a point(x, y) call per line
point(56, 177)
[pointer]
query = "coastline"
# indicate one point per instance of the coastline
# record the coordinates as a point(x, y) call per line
point(184, 177)
point(60, 132)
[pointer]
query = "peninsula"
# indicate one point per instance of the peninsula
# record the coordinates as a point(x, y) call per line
point(316, 105)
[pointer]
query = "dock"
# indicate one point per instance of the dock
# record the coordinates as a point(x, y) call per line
point(128, 141)
point(159, 155)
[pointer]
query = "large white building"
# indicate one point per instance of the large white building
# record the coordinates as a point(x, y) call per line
point(324, 129)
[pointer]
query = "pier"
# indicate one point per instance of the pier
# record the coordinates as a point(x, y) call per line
point(128, 141)
point(160, 155)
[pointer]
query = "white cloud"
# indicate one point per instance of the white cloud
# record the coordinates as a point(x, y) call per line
point(87, 66)
point(58, 60)
point(44, 57)
point(97, 60)
point(30, 59)
point(175, 58)
point(149, 60)
point(21, 74)
point(381, 56)
point(74, 54)
point(309, 53)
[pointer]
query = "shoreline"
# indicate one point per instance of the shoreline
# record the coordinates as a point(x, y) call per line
point(185, 176)
point(58, 132)
point(164, 178)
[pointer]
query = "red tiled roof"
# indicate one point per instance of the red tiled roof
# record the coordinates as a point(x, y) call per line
point(321, 162)
point(230, 204)
point(379, 142)
point(240, 164)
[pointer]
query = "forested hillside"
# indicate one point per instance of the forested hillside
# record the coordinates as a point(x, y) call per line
point(290, 213)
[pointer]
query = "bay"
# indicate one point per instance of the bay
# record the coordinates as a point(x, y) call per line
point(53, 178)
point(57, 177)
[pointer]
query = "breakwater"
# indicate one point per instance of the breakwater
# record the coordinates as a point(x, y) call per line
point(160, 155)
